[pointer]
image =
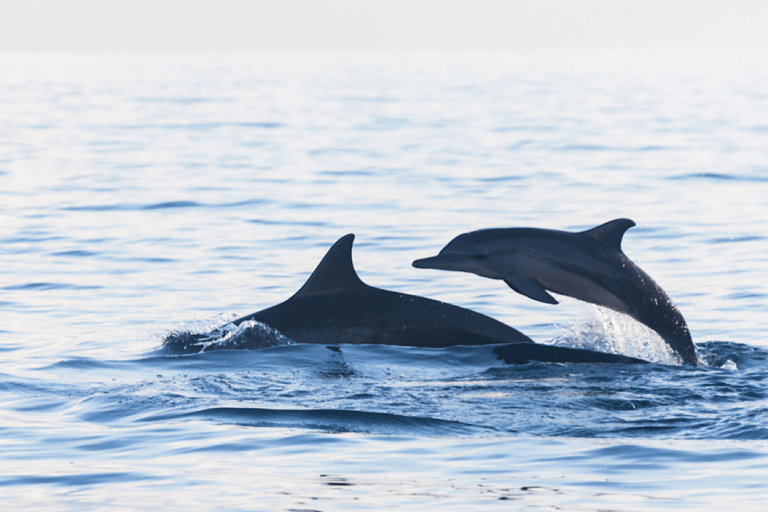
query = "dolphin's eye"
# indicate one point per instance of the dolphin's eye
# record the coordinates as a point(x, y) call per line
point(480, 256)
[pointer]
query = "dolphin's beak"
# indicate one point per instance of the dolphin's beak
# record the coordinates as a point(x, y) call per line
point(441, 261)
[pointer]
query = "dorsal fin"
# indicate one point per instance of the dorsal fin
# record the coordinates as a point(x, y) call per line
point(611, 232)
point(335, 272)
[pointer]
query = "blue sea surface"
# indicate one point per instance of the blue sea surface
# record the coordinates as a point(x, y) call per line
point(144, 195)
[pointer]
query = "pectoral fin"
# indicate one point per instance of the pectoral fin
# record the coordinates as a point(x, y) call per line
point(531, 288)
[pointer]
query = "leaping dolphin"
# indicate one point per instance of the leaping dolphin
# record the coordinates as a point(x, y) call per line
point(335, 307)
point(588, 266)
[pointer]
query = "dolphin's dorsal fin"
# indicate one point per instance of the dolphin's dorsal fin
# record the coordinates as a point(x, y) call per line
point(335, 272)
point(611, 232)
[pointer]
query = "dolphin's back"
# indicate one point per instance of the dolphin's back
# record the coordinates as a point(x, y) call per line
point(335, 306)
point(370, 315)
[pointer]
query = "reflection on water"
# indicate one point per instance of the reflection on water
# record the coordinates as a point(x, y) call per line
point(142, 194)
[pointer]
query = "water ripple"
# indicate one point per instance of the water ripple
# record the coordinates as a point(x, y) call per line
point(332, 420)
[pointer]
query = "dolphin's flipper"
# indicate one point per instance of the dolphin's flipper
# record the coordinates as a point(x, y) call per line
point(531, 288)
point(611, 232)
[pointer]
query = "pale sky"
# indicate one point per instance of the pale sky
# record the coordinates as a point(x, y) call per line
point(246, 25)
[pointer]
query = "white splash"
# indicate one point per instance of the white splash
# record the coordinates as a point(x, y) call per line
point(603, 330)
point(220, 333)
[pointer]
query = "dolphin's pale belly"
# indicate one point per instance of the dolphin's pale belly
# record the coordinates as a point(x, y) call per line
point(560, 280)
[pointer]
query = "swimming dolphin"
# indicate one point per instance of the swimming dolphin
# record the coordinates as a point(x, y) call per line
point(588, 266)
point(334, 306)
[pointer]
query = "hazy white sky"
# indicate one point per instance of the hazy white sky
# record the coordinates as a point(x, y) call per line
point(383, 24)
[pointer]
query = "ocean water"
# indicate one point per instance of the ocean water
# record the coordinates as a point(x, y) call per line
point(142, 195)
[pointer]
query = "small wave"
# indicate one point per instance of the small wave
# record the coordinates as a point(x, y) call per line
point(95, 208)
point(81, 363)
point(166, 205)
point(732, 356)
point(5, 347)
point(49, 286)
point(77, 480)
point(132, 207)
point(172, 204)
point(652, 455)
point(75, 254)
point(502, 179)
point(585, 147)
point(156, 260)
point(731, 240)
point(719, 177)
point(329, 420)
point(175, 99)
point(278, 222)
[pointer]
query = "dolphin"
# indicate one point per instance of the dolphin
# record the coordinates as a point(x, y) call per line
point(588, 266)
point(336, 307)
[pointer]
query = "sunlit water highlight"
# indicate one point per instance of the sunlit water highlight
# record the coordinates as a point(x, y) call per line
point(142, 195)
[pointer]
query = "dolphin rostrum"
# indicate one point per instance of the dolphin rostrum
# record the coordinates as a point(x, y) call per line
point(334, 307)
point(588, 266)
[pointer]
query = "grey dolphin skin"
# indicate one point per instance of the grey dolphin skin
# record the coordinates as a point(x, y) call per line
point(335, 307)
point(588, 266)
